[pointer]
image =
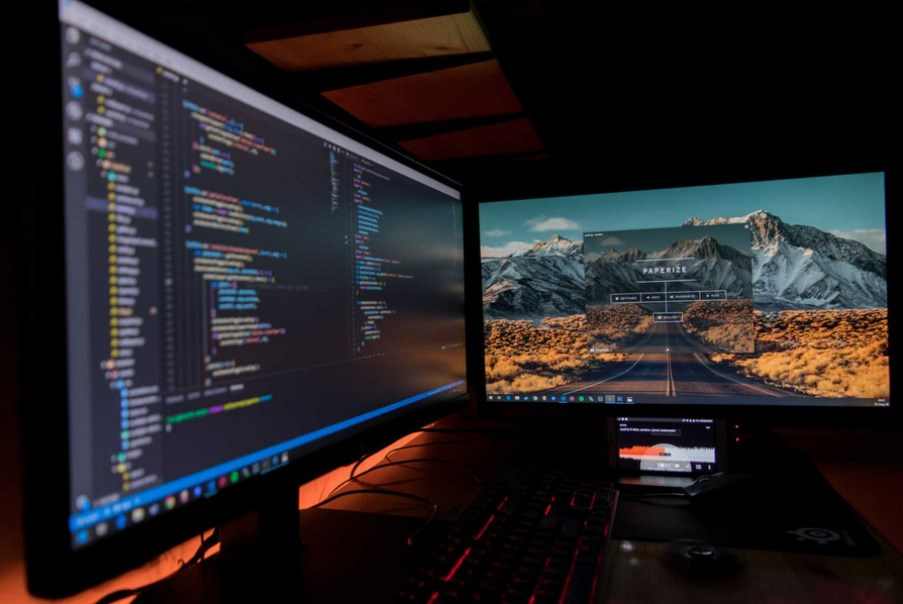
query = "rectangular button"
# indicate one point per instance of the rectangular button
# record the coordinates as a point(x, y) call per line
point(717, 294)
point(656, 297)
point(666, 317)
point(617, 298)
point(682, 296)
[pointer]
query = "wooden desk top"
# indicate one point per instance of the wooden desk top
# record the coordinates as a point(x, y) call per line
point(637, 573)
point(636, 570)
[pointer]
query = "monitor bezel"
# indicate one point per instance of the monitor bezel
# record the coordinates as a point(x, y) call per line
point(53, 567)
point(759, 414)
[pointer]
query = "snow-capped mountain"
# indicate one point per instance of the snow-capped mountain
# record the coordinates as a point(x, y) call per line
point(555, 246)
point(713, 266)
point(799, 266)
point(544, 281)
point(792, 267)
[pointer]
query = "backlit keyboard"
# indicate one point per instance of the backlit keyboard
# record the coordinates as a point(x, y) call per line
point(541, 537)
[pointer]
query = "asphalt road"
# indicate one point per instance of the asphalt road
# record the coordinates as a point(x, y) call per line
point(668, 362)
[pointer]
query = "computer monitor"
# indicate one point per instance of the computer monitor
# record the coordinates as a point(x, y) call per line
point(746, 295)
point(228, 286)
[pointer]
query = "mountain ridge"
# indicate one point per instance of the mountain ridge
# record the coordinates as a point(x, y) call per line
point(792, 267)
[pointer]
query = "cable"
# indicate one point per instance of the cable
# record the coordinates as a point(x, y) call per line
point(352, 476)
point(350, 479)
point(446, 462)
point(401, 463)
point(197, 557)
point(367, 456)
point(357, 464)
point(206, 544)
point(390, 493)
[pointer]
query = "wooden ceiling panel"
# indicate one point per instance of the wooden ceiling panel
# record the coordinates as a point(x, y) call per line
point(514, 136)
point(445, 35)
point(475, 90)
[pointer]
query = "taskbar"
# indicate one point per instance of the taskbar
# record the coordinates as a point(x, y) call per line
point(608, 398)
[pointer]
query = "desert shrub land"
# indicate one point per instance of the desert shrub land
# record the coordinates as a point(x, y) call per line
point(617, 325)
point(726, 325)
point(826, 353)
point(524, 356)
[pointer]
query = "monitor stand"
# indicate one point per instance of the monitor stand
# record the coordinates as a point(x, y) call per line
point(258, 560)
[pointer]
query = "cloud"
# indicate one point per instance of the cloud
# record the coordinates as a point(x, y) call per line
point(496, 233)
point(875, 239)
point(512, 247)
point(558, 223)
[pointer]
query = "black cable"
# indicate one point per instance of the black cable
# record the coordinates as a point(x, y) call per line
point(352, 476)
point(367, 456)
point(206, 544)
point(361, 460)
point(357, 464)
point(351, 479)
point(401, 463)
point(390, 493)
point(446, 462)
point(197, 557)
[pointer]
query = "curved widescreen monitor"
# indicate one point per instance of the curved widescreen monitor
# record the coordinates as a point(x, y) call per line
point(244, 285)
point(769, 293)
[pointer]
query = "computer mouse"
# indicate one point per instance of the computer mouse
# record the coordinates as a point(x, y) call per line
point(722, 485)
point(702, 559)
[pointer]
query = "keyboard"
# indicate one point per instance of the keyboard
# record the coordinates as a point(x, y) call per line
point(539, 537)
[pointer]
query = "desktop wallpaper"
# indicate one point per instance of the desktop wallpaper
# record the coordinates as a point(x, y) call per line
point(763, 289)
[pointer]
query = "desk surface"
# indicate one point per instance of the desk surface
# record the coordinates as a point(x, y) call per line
point(636, 568)
point(638, 574)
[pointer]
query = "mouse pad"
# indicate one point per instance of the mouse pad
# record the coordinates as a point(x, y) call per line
point(796, 517)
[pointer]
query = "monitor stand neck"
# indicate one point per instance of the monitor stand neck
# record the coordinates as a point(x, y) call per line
point(262, 547)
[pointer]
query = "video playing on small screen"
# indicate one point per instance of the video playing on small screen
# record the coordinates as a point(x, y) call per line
point(665, 444)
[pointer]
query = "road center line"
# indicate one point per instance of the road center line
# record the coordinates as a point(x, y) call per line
point(671, 388)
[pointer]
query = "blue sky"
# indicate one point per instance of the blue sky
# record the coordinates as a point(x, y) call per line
point(850, 206)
